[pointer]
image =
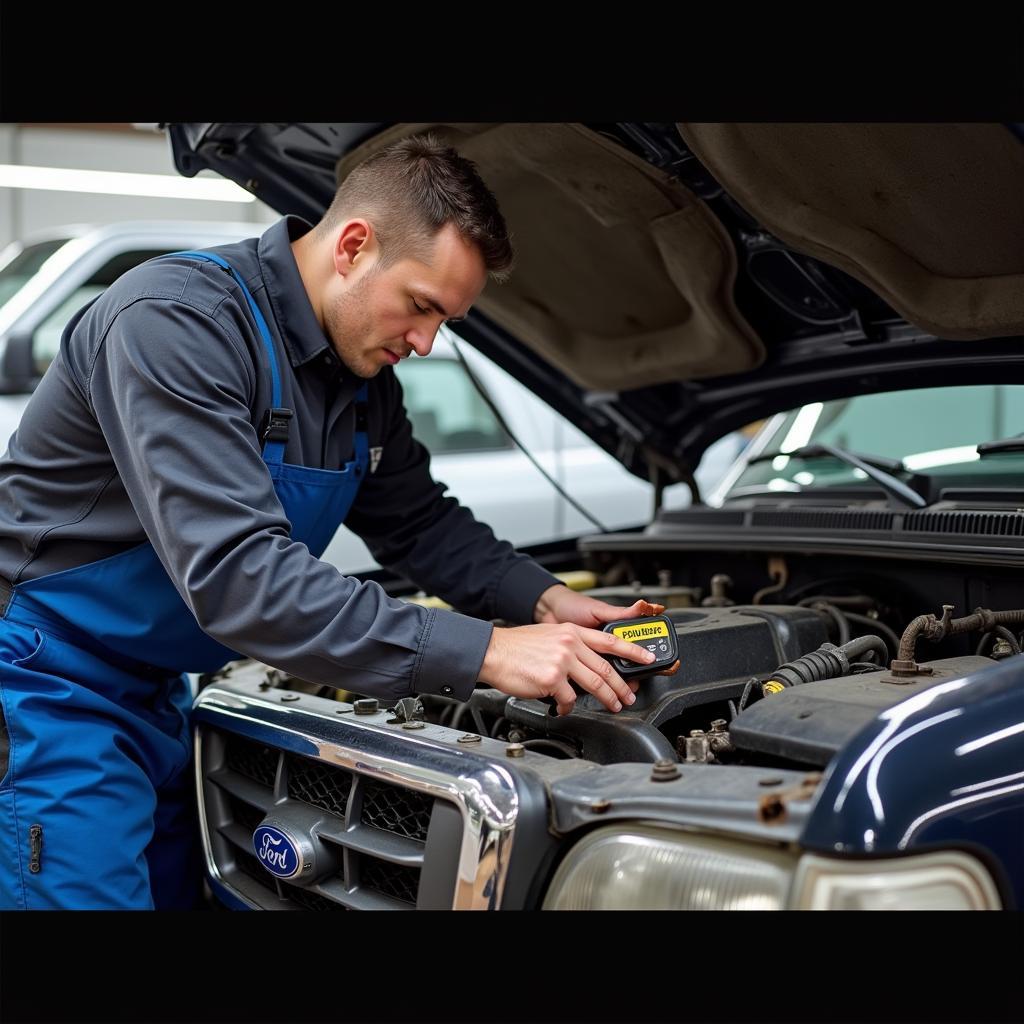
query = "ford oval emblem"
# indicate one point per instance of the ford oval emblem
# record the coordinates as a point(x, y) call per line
point(276, 851)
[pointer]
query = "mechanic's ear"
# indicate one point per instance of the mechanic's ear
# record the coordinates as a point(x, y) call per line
point(352, 245)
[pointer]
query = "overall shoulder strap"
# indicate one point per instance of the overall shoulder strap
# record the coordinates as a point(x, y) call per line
point(273, 430)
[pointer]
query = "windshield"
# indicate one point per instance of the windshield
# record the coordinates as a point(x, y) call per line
point(933, 431)
point(24, 266)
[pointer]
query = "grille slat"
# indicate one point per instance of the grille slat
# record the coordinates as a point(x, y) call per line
point(310, 900)
point(386, 845)
point(243, 789)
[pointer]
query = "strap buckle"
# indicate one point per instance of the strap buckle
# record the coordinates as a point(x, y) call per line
point(274, 427)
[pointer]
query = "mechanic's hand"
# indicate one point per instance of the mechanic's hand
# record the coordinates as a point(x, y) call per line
point(560, 604)
point(539, 661)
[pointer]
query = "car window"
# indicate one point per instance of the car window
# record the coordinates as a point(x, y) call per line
point(928, 429)
point(447, 412)
point(25, 266)
point(46, 340)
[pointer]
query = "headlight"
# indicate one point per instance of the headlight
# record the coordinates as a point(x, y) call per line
point(645, 867)
point(649, 868)
point(927, 881)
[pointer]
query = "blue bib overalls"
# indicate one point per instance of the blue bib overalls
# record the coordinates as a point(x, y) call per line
point(97, 805)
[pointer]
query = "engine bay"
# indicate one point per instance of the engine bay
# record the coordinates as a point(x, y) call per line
point(780, 666)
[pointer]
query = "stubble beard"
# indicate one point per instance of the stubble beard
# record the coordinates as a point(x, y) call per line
point(346, 324)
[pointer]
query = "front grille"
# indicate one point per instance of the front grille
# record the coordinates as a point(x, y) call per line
point(378, 851)
point(393, 809)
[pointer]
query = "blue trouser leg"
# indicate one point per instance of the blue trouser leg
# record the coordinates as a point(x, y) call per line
point(99, 760)
point(174, 855)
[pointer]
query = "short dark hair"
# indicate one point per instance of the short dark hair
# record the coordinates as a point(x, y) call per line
point(412, 189)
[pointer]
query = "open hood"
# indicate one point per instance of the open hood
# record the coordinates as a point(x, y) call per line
point(677, 281)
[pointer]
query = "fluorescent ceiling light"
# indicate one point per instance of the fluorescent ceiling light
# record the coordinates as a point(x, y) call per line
point(778, 484)
point(942, 457)
point(119, 183)
point(800, 433)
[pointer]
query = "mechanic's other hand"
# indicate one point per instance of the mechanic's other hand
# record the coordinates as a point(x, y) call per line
point(539, 661)
point(560, 604)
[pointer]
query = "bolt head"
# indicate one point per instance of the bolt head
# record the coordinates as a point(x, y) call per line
point(665, 770)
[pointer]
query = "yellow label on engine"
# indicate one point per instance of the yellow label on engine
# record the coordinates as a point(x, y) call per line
point(639, 631)
point(772, 687)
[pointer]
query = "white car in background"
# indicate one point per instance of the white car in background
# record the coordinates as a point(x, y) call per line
point(43, 281)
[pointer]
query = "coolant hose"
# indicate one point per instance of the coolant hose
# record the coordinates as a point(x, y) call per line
point(827, 662)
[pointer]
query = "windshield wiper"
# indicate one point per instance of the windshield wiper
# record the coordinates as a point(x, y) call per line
point(819, 450)
point(876, 467)
point(1006, 444)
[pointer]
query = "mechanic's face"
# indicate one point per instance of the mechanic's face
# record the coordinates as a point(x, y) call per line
point(375, 317)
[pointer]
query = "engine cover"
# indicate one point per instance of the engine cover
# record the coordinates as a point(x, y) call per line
point(719, 650)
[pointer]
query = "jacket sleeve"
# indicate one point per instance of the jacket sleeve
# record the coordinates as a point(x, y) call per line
point(171, 387)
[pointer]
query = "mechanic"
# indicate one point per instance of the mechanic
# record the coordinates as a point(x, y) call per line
point(208, 423)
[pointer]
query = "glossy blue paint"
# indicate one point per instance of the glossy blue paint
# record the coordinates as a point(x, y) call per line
point(942, 769)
